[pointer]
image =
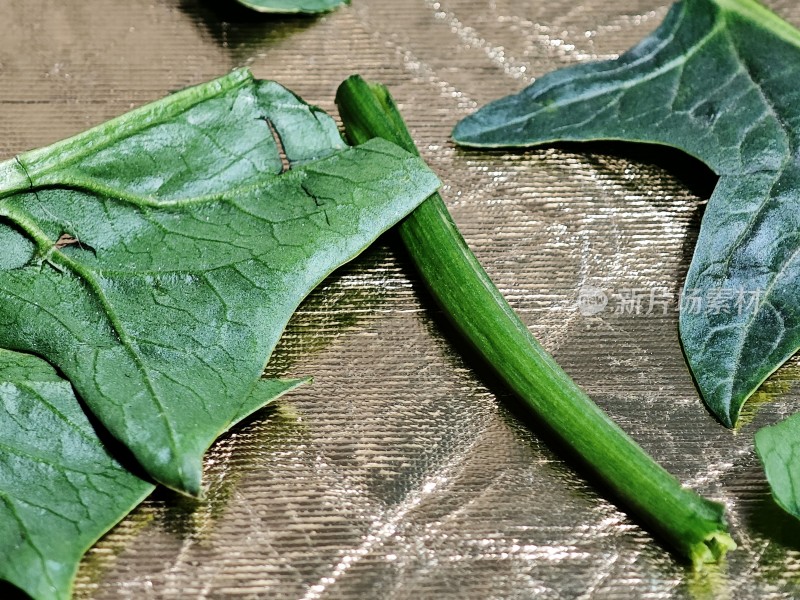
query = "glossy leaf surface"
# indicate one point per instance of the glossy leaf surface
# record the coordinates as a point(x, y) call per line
point(157, 258)
point(719, 80)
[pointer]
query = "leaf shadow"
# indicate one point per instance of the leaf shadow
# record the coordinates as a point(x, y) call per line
point(121, 453)
point(778, 386)
point(521, 417)
point(187, 517)
point(692, 173)
point(338, 304)
point(773, 523)
point(116, 449)
point(341, 302)
point(240, 30)
point(9, 591)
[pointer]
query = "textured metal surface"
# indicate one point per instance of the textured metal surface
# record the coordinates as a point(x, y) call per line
point(399, 473)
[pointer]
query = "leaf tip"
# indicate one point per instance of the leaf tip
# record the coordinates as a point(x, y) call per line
point(726, 404)
point(479, 130)
point(184, 477)
point(728, 417)
point(465, 133)
point(191, 486)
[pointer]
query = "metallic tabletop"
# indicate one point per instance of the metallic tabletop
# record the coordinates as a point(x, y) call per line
point(402, 473)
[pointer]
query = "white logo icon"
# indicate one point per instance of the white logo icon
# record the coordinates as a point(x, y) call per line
point(591, 301)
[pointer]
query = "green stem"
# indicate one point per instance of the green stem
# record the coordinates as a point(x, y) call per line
point(693, 526)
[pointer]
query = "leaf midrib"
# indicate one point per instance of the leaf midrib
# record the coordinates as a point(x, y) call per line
point(124, 338)
point(763, 17)
point(94, 187)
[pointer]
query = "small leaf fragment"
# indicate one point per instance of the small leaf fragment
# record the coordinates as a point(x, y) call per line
point(778, 447)
point(192, 250)
point(293, 6)
point(719, 79)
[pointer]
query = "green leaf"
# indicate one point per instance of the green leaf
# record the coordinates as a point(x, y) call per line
point(719, 80)
point(293, 6)
point(778, 447)
point(60, 488)
point(157, 258)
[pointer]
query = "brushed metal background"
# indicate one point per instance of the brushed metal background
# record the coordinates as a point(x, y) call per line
point(400, 473)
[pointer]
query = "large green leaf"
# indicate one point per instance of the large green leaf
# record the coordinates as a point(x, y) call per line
point(779, 449)
point(293, 6)
point(719, 80)
point(60, 488)
point(157, 258)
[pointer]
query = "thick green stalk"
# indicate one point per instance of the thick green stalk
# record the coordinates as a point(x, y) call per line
point(693, 526)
